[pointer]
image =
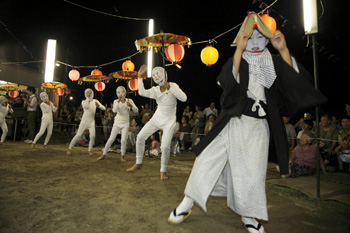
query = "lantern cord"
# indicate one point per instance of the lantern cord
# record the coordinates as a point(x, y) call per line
point(213, 40)
point(104, 13)
point(21, 62)
point(267, 7)
point(105, 64)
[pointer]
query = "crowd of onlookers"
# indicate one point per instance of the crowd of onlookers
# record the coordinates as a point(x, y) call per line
point(333, 136)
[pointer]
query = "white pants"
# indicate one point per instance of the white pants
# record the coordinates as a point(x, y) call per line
point(116, 128)
point(151, 127)
point(234, 165)
point(44, 125)
point(82, 127)
point(3, 126)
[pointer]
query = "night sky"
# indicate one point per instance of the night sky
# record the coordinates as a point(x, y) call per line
point(86, 38)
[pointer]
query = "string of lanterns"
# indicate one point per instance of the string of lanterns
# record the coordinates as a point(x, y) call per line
point(174, 53)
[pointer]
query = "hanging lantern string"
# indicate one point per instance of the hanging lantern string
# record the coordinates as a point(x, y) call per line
point(104, 13)
point(21, 62)
point(105, 64)
point(210, 41)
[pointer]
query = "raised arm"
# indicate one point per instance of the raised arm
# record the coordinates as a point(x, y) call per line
point(45, 108)
point(279, 42)
point(99, 105)
point(150, 93)
point(132, 105)
point(177, 92)
point(54, 108)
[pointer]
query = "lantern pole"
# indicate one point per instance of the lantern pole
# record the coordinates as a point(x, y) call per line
point(311, 28)
point(150, 50)
point(50, 60)
point(150, 57)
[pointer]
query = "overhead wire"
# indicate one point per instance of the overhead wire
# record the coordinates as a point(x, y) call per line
point(104, 13)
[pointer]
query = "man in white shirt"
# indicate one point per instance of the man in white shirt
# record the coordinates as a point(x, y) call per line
point(210, 110)
point(31, 103)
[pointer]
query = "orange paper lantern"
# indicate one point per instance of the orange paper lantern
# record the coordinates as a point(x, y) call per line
point(128, 66)
point(96, 72)
point(100, 86)
point(59, 91)
point(133, 84)
point(13, 94)
point(270, 22)
point(175, 52)
point(74, 75)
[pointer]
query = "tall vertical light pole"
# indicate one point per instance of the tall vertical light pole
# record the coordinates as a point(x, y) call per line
point(150, 57)
point(150, 51)
point(50, 60)
point(311, 28)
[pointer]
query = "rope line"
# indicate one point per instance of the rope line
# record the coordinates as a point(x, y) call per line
point(104, 13)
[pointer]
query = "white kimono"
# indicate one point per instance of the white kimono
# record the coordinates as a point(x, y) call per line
point(234, 164)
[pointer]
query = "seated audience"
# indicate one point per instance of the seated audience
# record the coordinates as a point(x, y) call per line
point(343, 140)
point(209, 124)
point(184, 132)
point(307, 126)
point(303, 162)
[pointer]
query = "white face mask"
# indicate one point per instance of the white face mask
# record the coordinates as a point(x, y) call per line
point(90, 93)
point(3, 101)
point(44, 97)
point(159, 75)
point(121, 92)
point(256, 43)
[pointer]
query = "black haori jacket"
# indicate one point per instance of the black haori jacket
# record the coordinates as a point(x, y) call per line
point(290, 93)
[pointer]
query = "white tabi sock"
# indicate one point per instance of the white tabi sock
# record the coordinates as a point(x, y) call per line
point(249, 221)
point(185, 205)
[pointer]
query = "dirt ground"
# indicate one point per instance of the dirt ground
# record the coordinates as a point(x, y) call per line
point(45, 190)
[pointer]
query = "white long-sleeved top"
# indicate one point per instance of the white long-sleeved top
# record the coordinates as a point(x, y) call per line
point(4, 110)
point(47, 111)
point(89, 107)
point(123, 111)
point(166, 100)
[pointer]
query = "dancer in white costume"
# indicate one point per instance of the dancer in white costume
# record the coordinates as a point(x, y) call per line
point(232, 158)
point(122, 107)
point(166, 95)
point(5, 108)
point(88, 120)
point(47, 108)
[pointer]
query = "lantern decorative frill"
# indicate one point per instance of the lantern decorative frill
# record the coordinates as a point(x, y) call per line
point(128, 66)
point(96, 72)
point(13, 94)
point(175, 52)
point(133, 84)
point(100, 86)
point(209, 55)
point(59, 91)
point(270, 22)
point(74, 75)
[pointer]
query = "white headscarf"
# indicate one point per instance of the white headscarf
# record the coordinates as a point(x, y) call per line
point(159, 75)
point(44, 97)
point(121, 91)
point(89, 90)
